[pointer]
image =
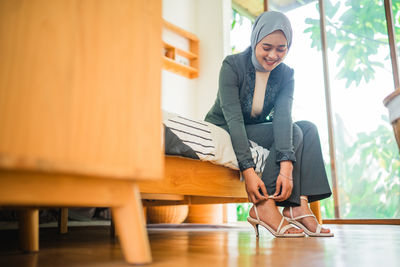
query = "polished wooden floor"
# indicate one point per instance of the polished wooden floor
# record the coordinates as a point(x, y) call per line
point(353, 245)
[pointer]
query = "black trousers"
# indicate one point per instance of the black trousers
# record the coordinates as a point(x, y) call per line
point(309, 175)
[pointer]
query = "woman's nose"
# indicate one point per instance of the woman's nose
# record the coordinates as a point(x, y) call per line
point(272, 54)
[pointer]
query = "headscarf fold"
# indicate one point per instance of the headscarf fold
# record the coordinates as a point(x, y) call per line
point(267, 23)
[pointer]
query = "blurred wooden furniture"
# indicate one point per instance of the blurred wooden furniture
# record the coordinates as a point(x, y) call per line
point(80, 116)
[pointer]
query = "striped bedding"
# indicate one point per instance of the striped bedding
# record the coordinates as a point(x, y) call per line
point(210, 142)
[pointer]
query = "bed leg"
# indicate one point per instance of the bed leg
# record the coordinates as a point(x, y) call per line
point(63, 221)
point(29, 229)
point(131, 230)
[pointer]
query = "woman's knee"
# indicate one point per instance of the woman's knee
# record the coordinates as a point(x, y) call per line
point(307, 127)
point(297, 136)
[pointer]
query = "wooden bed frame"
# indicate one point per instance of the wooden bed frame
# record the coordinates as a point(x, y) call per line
point(189, 182)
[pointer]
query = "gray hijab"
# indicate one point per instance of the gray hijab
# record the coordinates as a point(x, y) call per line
point(265, 24)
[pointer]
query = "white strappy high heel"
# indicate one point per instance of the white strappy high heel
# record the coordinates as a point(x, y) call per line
point(317, 233)
point(280, 231)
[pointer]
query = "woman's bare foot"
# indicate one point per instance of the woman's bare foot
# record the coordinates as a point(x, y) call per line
point(309, 222)
point(268, 213)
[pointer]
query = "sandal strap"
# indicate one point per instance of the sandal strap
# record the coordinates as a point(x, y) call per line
point(280, 225)
point(255, 209)
point(291, 213)
point(319, 227)
point(284, 228)
point(318, 230)
point(304, 216)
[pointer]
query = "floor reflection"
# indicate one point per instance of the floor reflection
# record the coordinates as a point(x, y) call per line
point(353, 245)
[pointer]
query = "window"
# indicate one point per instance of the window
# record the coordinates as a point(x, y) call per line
point(367, 157)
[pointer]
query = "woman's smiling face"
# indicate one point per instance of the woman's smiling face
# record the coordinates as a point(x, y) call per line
point(272, 50)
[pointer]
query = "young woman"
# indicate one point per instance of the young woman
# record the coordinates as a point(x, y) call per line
point(254, 102)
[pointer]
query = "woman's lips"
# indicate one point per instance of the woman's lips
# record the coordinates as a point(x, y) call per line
point(270, 62)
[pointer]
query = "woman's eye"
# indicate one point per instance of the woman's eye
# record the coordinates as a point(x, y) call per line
point(281, 50)
point(267, 49)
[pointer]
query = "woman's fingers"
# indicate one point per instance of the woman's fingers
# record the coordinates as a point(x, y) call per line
point(256, 190)
point(264, 190)
point(278, 187)
point(286, 192)
point(255, 196)
point(258, 195)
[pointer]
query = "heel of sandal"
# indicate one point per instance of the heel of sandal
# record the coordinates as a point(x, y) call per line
point(255, 226)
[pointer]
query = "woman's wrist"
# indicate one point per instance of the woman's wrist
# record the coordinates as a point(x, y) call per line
point(287, 177)
point(286, 168)
point(248, 172)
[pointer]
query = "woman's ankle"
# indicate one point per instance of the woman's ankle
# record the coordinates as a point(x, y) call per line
point(262, 207)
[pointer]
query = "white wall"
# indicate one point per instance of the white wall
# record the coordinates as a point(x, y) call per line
point(213, 27)
point(178, 92)
point(210, 21)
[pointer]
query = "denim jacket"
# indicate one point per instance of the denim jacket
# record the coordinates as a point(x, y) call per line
point(232, 108)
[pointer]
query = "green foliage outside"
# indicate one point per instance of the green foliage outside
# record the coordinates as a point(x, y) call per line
point(242, 211)
point(356, 34)
point(237, 20)
point(369, 169)
point(369, 181)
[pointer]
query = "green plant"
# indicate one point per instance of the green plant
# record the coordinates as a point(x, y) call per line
point(370, 171)
point(357, 30)
point(242, 211)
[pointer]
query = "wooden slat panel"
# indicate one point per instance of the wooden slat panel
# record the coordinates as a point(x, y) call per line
point(184, 70)
point(193, 200)
point(34, 189)
point(80, 87)
point(216, 200)
point(180, 31)
point(193, 177)
point(162, 196)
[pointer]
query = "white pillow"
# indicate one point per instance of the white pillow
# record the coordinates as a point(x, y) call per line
point(219, 149)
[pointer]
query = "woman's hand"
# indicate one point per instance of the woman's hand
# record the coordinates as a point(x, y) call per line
point(253, 184)
point(284, 182)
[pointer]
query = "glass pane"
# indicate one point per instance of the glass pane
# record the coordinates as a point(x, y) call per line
point(307, 63)
point(309, 97)
point(367, 157)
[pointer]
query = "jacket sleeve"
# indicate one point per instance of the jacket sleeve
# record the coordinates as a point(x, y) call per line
point(282, 122)
point(228, 94)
